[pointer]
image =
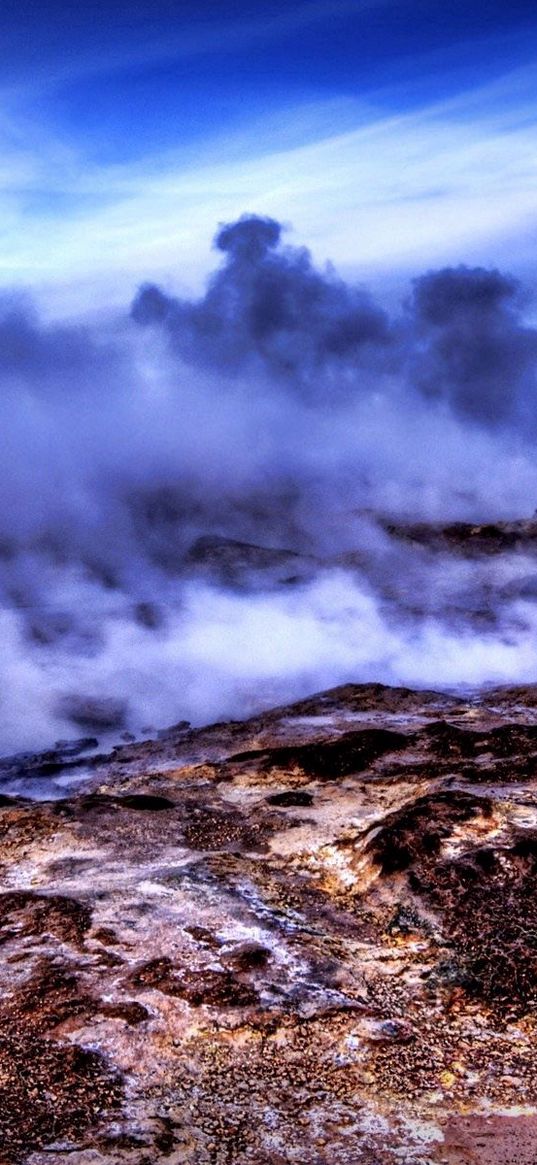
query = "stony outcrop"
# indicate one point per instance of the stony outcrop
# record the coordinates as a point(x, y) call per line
point(307, 938)
point(472, 539)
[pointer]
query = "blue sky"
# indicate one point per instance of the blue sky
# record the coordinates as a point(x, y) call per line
point(391, 135)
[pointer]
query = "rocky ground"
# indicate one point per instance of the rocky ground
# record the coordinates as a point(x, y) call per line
point(466, 538)
point(307, 938)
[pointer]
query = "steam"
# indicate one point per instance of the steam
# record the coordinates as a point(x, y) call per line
point(195, 493)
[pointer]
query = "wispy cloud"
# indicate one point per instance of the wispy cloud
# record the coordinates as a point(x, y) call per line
point(450, 182)
point(178, 43)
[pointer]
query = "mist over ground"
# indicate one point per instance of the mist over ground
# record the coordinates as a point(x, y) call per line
point(196, 494)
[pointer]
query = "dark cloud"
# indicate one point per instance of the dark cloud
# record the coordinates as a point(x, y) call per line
point(463, 340)
point(57, 357)
point(269, 307)
point(470, 347)
point(250, 238)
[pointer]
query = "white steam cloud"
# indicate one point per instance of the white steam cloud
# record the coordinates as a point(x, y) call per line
point(193, 495)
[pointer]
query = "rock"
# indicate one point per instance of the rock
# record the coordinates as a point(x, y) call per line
point(173, 730)
point(75, 747)
point(234, 563)
point(469, 538)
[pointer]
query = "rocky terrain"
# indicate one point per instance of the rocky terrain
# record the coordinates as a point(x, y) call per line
point(469, 538)
point(310, 938)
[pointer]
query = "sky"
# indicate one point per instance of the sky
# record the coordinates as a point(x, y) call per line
point(389, 136)
point(267, 286)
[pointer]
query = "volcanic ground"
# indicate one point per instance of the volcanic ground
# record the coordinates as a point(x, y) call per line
point(309, 937)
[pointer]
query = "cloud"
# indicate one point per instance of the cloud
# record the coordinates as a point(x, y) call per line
point(269, 306)
point(383, 194)
point(463, 339)
point(472, 347)
point(190, 496)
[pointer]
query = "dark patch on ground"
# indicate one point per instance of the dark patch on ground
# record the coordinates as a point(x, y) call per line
point(329, 760)
point(413, 834)
point(128, 1009)
point(48, 998)
point(489, 906)
point(213, 829)
point(485, 898)
point(247, 956)
point(141, 802)
point(67, 919)
point(212, 988)
point(204, 936)
point(290, 797)
point(145, 802)
point(515, 742)
point(49, 1091)
point(450, 742)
